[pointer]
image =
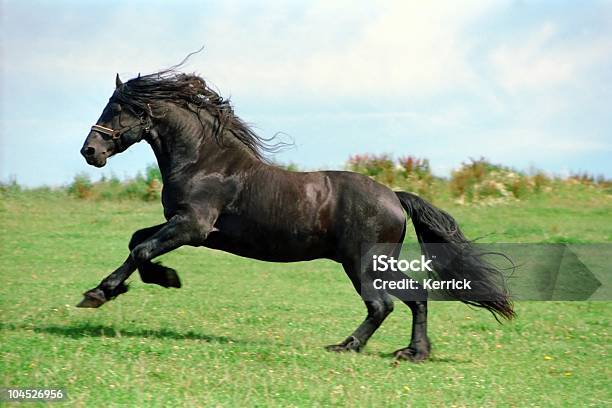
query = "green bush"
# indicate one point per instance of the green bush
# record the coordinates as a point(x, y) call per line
point(416, 176)
point(153, 180)
point(288, 166)
point(147, 187)
point(407, 173)
point(379, 167)
point(81, 187)
point(477, 181)
point(541, 182)
point(480, 180)
point(11, 187)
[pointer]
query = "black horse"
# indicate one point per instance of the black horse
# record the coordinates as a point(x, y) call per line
point(219, 192)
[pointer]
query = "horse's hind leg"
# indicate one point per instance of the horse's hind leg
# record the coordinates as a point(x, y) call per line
point(419, 348)
point(416, 299)
point(378, 303)
point(154, 272)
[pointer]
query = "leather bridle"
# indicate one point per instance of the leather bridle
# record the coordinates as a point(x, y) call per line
point(116, 134)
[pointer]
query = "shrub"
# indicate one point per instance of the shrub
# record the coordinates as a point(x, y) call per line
point(153, 191)
point(407, 173)
point(11, 187)
point(413, 165)
point(135, 188)
point(480, 180)
point(416, 176)
point(541, 182)
point(152, 173)
point(81, 187)
point(475, 181)
point(289, 166)
point(370, 164)
point(153, 183)
point(147, 187)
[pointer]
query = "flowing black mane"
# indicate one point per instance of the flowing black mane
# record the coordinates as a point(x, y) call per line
point(191, 92)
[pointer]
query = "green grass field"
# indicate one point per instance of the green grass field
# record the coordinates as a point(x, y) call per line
point(248, 333)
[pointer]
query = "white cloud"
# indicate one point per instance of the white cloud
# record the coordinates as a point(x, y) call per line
point(401, 48)
point(391, 48)
point(543, 59)
point(537, 143)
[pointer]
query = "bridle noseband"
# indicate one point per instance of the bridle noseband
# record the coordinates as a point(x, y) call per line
point(117, 133)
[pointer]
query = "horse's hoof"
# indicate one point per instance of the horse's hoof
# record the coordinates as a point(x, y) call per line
point(158, 274)
point(172, 279)
point(350, 344)
point(92, 299)
point(411, 354)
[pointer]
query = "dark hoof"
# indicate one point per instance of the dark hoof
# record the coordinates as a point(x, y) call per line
point(97, 297)
point(158, 274)
point(94, 298)
point(350, 344)
point(172, 279)
point(411, 354)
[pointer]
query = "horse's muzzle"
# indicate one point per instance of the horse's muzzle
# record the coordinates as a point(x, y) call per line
point(93, 157)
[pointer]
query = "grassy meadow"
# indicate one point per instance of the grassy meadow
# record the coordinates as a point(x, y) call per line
point(248, 333)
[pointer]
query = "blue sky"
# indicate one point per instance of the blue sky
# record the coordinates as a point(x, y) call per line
point(526, 84)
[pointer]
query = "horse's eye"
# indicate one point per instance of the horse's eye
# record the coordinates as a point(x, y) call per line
point(116, 107)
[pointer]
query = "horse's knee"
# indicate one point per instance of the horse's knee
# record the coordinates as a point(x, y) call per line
point(141, 235)
point(140, 254)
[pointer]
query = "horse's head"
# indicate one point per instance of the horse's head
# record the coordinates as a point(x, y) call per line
point(119, 127)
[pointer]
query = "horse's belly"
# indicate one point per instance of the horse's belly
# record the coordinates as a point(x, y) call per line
point(271, 247)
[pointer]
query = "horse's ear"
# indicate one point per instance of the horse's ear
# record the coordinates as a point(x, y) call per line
point(118, 82)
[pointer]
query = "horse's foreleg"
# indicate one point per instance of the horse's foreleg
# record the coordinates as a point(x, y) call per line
point(154, 273)
point(177, 232)
point(110, 287)
point(378, 310)
point(113, 285)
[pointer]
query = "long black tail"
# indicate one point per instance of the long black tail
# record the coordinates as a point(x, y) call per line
point(455, 257)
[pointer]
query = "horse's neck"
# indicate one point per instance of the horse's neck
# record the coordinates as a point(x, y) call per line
point(180, 140)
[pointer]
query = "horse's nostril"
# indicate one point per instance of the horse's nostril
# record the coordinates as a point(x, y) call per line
point(90, 151)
